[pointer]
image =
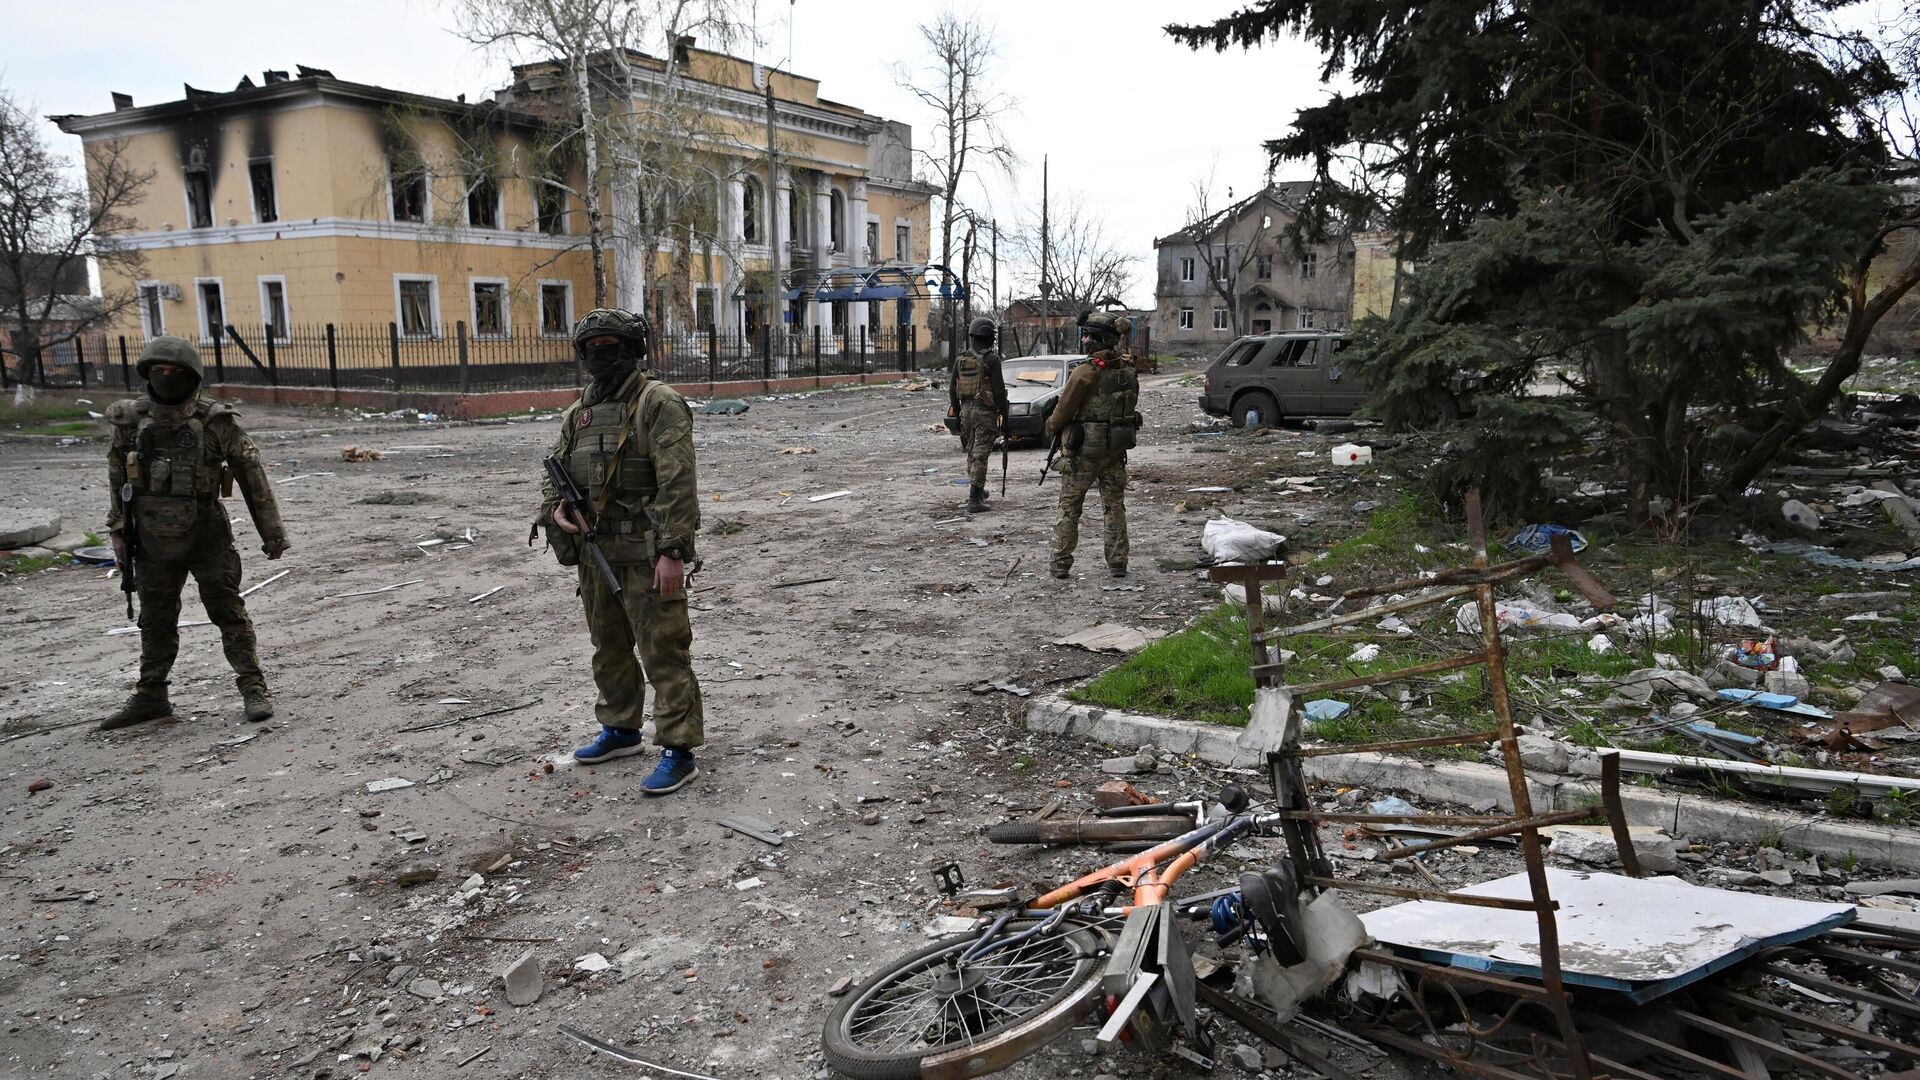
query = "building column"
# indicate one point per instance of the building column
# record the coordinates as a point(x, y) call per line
point(857, 254)
point(629, 277)
point(733, 250)
point(823, 247)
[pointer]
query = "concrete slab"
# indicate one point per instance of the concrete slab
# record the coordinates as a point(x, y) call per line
point(21, 528)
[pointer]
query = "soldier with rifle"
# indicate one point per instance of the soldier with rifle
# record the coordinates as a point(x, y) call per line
point(978, 397)
point(1095, 420)
point(620, 502)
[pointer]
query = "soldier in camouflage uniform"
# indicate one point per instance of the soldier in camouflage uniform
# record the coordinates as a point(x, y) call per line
point(173, 455)
point(1096, 420)
point(628, 445)
point(978, 397)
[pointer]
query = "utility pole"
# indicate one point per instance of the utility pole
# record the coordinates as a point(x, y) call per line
point(776, 299)
point(1046, 284)
point(995, 298)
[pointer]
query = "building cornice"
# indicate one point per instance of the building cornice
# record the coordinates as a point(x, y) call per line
point(338, 228)
point(290, 92)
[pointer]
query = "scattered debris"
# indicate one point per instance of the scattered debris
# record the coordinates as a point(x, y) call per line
point(523, 980)
point(724, 407)
point(1110, 637)
point(1538, 539)
point(798, 450)
point(41, 784)
point(391, 783)
point(360, 453)
point(372, 592)
point(841, 494)
point(1228, 541)
point(754, 827)
point(484, 595)
point(1352, 454)
point(1003, 686)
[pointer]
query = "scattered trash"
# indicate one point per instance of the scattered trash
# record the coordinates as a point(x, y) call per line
point(1466, 618)
point(1130, 764)
point(1110, 637)
point(397, 498)
point(371, 592)
point(302, 476)
point(484, 595)
point(1208, 490)
point(829, 495)
point(41, 784)
point(1600, 644)
point(1800, 515)
point(1729, 611)
point(724, 407)
point(798, 450)
point(1392, 806)
point(1325, 709)
point(1538, 539)
point(748, 883)
point(1364, 654)
point(1003, 686)
point(1230, 541)
point(802, 581)
point(523, 980)
point(1787, 703)
point(360, 453)
point(1352, 454)
point(1820, 556)
point(391, 783)
point(754, 827)
point(1757, 655)
point(592, 962)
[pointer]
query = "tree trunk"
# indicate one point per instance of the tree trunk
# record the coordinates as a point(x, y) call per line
point(596, 225)
point(1863, 315)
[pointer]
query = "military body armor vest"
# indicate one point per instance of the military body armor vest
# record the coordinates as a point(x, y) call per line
point(970, 379)
point(608, 456)
point(1111, 415)
point(171, 477)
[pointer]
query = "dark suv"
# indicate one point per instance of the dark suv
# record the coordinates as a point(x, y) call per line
point(1263, 377)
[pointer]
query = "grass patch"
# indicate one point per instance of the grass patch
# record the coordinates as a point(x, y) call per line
point(40, 411)
point(1199, 673)
point(29, 564)
point(73, 427)
point(1392, 540)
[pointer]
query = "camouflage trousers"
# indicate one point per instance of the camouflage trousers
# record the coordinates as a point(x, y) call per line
point(215, 568)
point(1081, 474)
point(979, 428)
point(639, 638)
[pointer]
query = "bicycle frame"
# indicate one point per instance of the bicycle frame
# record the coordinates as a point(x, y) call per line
point(1145, 877)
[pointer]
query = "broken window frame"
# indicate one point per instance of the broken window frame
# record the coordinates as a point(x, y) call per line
point(562, 326)
point(1186, 268)
point(484, 210)
point(153, 318)
point(407, 188)
point(489, 296)
point(1306, 318)
point(1185, 324)
point(1263, 268)
point(423, 304)
point(837, 220)
point(751, 197)
point(903, 242)
point(1310, 265)
point(272, 285)
point(872, 241)
point(266, 194)
point(706, 308)
point(199, 193)
point(549, 207)
point(212, 316)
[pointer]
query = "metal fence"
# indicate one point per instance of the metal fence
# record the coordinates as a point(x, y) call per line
point(384, 358)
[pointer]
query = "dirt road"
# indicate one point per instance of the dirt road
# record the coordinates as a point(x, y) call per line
point(229, 900)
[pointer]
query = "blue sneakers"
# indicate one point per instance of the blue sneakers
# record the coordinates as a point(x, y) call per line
point(612, 743)
point(675, 769)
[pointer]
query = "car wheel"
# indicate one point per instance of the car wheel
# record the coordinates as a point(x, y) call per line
point(1255, 410)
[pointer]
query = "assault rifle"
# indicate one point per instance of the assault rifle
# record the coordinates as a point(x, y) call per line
point(129, 539)
point(576, 501)
point(1053, 451)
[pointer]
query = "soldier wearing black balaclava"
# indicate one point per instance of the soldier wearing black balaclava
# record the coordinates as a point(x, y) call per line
point(174, 455)
point(627, 445)
point(977, 396)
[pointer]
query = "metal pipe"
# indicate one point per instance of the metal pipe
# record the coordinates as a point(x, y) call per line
point(1647, 761)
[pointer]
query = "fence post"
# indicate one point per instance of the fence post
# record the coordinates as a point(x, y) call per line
point(80, 358)
point(333, 360)
point(393, 350)
point(273, 365)
point(816, 354)
point(862, 360)
point(766, 353)
point(219, 355)
point(460, 332)
point(126, 371)
point(713, 352)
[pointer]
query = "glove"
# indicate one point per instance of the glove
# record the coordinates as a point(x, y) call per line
point(275, 547)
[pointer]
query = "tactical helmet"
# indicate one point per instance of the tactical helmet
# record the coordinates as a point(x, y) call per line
point(168, 349)
point(630, 327)
point(981, 329)
point(1105, 327)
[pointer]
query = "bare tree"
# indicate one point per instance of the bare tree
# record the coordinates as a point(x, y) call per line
point(956, 82)
point(1224, 254)
point(50, 226)
point(1086, 268)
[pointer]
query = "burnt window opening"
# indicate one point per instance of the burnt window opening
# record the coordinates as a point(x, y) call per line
point(199, 199)
point(150, 311)
point(550, 207)
point(703, 309)
point(873, 241)
point(837, 220)
point(556, 317)
point(213, 312)
point(483, 203)
point(410, 195)
point(903, 243)
point(273, 308)
point(750, 211)
point(1263, 267)
point(489, 309)
point(416, 307)
point(1310, 267)
point(266, 205)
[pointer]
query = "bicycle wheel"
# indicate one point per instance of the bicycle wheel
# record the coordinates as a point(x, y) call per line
point(1090, 830)
point(960, 1020)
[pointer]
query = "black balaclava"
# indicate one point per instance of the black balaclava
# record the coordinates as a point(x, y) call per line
point(172, 384)
point(605, 362)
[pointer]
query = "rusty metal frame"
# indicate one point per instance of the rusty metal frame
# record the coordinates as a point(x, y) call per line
point(1477, 579)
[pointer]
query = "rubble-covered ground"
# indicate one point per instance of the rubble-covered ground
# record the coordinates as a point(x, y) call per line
point(204, 897)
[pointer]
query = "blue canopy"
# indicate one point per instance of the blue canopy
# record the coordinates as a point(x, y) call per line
point(881, 292)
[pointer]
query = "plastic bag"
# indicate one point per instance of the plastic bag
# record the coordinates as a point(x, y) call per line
point(1539, 538)
point(1230, 541)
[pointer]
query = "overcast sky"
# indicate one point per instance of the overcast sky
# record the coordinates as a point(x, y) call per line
point(1129, 118)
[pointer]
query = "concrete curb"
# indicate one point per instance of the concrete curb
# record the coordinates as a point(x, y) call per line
point(1465, 783)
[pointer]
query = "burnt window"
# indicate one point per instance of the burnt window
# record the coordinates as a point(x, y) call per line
point(199, 199)
point(489, 309)
point(273, 308)
point(153, 321)
point(750, 211)
point(556, 309)
point(873, 242)
point(703, 301)
point(266, 205)
point(550, 207)
point(213, 311)
point(1263, 267)
point(410, 195)
point(417, 315)
point(1309, 267)
point(903, 243)
point(483, 203)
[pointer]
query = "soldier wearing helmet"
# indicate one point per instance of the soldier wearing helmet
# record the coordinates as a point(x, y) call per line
point(627, 445)
point(173, 456)
point(977, 395)
point(1096, 420)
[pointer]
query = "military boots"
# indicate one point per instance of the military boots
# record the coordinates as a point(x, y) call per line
point(259, 702)
point(139, 709)
point(977, 500)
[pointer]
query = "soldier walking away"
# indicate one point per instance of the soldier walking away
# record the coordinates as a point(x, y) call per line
point(627, 445)
point(1096, 420)
point(978, 396)
point(174, 455)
